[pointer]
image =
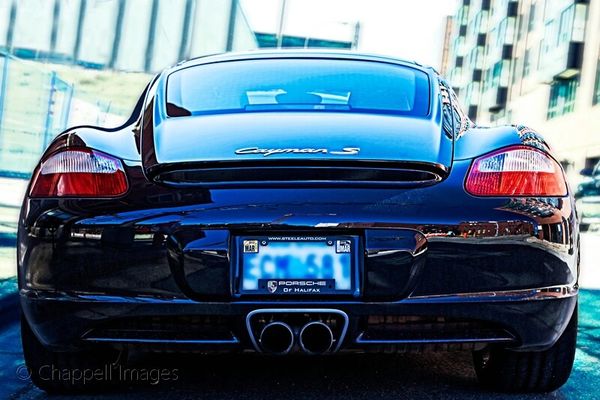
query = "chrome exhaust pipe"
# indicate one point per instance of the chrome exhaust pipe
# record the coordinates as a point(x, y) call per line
point(316, 338)
point(276, 338)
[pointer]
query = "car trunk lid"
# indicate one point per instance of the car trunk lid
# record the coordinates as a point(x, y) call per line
point(282, 148)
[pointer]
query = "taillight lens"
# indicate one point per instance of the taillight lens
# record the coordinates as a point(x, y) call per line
point(516, 171)
point(79, 173)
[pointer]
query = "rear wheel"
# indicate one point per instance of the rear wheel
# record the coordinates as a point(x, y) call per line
point(529, 371)
point(65, 372)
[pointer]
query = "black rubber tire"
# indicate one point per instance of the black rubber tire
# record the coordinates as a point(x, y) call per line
point(40, 361)
point(584, 227)
point(504, 370)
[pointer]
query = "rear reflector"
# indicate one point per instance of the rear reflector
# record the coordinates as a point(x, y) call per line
point(79, 173)
point(516, 171)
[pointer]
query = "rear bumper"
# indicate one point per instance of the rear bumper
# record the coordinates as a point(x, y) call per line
point(523, 320)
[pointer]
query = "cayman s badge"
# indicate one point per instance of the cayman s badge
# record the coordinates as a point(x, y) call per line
point(345, 151)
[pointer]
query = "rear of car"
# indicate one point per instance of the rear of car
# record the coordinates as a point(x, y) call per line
point(311, 203)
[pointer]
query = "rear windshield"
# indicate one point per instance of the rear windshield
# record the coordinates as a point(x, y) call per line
point(297, 84)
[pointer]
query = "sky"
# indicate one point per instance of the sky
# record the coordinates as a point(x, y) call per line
point(408, 29)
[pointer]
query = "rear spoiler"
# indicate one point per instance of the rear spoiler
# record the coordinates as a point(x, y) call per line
point(294, 173)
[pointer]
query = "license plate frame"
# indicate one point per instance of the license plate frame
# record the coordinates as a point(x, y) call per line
point(291, 286)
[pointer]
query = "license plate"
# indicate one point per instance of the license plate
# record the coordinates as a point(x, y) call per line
point(297, 265)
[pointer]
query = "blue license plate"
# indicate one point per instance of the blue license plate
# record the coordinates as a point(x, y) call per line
point(297, 265)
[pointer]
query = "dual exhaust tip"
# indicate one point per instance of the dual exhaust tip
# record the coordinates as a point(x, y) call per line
point(278, 338)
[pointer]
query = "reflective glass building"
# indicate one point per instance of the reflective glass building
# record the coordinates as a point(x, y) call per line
point(533, 62)
point(129, 35)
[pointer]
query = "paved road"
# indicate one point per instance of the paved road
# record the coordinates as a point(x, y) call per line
point(430, 376)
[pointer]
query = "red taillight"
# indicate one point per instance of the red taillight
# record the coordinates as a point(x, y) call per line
point(516, 171)
point(79, 173)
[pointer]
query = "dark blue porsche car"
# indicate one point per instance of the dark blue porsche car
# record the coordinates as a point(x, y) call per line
point(300, 202)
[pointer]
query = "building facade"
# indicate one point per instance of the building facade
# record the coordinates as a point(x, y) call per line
point(128, 35)
point(446, 61)
point(532, 62)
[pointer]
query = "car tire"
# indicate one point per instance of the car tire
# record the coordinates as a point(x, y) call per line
point(528, 371)
point(57, 372)
point(584, 227)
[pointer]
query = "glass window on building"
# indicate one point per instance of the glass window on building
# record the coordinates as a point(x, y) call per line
point(531, 22)
point(550, 36)
point(579, 23)
point(566, 24)
point(527, 63)
point(463, 15)
point(562, 97)
point(475, 25)
point(499, 36)
point(516, 70)
point(493, 76)
point(459, 46)
point(487, 82)
point(499, 6)
point(502, 32)
point(553, 8)
point(473, 58)
point(539, 60)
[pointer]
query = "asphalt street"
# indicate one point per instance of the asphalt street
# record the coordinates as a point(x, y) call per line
point(410, 376)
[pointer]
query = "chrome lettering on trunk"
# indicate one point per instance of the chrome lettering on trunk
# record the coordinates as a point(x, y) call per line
point(346, 151)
